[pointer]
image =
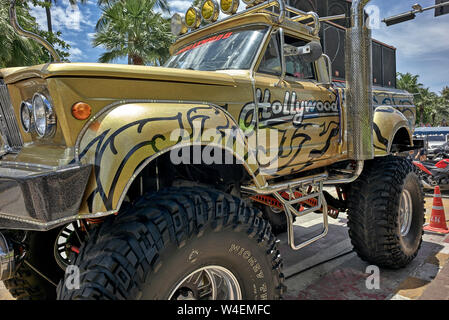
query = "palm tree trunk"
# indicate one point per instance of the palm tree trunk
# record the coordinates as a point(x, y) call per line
point(137, 60)
point(48, 14)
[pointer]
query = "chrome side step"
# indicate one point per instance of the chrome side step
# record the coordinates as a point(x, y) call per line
point(315, 182)
point(315, 185)
point(291, 211)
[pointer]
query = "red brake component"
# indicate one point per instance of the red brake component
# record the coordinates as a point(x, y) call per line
point(75, 249)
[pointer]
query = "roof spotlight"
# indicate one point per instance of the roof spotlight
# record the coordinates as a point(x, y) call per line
point(210, 10)
point(193, 18)
point(229, 6)
point(178, 25)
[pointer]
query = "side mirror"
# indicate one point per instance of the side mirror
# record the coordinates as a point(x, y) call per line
point(324, 69)
point(309, 53)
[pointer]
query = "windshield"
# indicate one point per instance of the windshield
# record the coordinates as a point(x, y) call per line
point(234, 49)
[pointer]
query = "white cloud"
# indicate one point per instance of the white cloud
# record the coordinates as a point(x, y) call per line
point(64, 16)
point(180, 5)
point(75, 54)
point(422, 45)
point(417, 38)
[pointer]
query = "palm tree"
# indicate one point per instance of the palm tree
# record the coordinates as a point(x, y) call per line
point(445, 94)
point(48, 4)
point(410, 83)
point(132, 29)
point(162, 4)
point(428, 104)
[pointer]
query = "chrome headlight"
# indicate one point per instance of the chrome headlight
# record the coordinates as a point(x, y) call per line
point(26, 116)
point(44, 115)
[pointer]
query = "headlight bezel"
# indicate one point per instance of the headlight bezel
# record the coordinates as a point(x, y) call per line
point(213, 14)
point(27, 107)
point(49, 116)
point(178, 25)
point(196, 19)
point(232, 8)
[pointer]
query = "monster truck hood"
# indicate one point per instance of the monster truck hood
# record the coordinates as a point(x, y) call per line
point(12, 75)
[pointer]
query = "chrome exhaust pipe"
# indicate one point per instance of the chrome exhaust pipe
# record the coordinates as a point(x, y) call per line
point(27, 34)
point(359, 76)
point(6, 259)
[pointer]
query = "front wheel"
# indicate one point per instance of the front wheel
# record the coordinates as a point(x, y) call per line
point(386, 212)
point(181, 244)
point(27, 284)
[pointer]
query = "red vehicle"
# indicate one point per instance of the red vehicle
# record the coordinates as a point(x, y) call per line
point(434, 174)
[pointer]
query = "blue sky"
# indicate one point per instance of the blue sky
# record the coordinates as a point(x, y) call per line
point(422, 44)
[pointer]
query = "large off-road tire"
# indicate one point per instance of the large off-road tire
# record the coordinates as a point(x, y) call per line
point(386, 212)
point(29, 285)
point(178, 238)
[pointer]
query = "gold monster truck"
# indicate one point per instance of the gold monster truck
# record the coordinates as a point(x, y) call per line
point(168, 182)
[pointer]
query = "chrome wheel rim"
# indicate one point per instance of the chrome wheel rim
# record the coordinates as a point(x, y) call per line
point(405, 212)
point(208, 283)
point(70, 237)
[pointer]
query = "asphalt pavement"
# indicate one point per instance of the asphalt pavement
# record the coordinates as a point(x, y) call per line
point(330, 269)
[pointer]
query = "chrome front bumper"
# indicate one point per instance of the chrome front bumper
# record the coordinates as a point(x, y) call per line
point(32, 199)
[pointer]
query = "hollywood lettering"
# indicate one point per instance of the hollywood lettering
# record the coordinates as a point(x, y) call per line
point(276, 112)
point(204, 41)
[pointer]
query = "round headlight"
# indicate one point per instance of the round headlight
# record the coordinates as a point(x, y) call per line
point(229, 6)
point(210, 10)
point(193, 18)
point(178, 26)
point(26, 116)
point(44, 116)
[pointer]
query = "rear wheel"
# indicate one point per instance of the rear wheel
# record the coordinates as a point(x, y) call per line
point(181, 244)
point(386, 212)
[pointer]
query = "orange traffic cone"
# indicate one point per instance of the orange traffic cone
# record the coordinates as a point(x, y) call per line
point(437, 217)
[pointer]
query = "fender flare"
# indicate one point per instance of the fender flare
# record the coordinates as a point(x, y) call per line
point(119, 143)
point(386, 124)
point(399, 126)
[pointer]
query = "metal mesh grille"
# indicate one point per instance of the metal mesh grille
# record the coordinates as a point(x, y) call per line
point(8, 123)
point(360, 105)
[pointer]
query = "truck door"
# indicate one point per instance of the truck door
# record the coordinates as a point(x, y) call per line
point(304, 116)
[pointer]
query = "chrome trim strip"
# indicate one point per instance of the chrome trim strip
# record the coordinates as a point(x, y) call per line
point(54, 223)
point(26, 165)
